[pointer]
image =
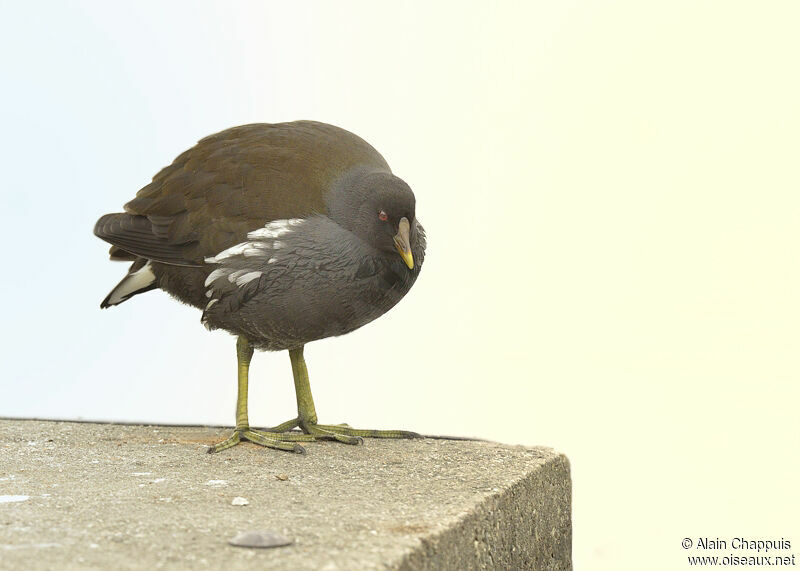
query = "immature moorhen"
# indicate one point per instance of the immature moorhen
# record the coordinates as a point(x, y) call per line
point(282, 234)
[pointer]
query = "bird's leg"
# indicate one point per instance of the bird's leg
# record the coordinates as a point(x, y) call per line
point(244, 352)
point(307, 416)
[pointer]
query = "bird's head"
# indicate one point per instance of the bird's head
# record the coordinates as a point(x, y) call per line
point(381, 214)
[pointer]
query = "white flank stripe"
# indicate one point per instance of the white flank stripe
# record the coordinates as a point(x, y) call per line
point(232, 251)
point(274, 229)
point(255, 249)
point(241, 277)
point(233, 275)
point(213, 276)
point(246, 278)
point(246, 249)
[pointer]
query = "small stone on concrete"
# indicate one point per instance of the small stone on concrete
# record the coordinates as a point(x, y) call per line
point(13, 499)
point(239, 501)
point(260, 539)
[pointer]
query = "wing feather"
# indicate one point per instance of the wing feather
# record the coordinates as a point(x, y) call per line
point(233, 182)
point(134, 234)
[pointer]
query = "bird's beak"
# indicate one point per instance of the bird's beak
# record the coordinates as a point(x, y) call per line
point(403, 243)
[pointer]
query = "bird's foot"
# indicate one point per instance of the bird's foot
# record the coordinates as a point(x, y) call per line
point(340, 432)
point(270, 439)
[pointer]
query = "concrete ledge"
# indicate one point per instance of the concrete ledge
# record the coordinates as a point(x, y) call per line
point(106, 496)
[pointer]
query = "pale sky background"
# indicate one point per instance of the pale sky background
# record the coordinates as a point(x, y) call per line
point(612, 199)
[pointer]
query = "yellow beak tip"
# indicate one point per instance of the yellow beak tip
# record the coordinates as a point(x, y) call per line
point(408, 258)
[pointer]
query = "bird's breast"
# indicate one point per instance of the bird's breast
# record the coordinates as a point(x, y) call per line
point(297, 281)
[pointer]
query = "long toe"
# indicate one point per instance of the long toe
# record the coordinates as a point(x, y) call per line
point(345, 429)
point(279, 441)
point(325, 433)
point(344, 433)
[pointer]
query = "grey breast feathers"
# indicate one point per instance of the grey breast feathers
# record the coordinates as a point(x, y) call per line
point(240, 269)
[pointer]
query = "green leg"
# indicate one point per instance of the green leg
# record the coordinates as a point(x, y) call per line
point(244, 352)
point(307, 416)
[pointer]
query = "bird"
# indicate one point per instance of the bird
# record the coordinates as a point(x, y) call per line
point(281, 234)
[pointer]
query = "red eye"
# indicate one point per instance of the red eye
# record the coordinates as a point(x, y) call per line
point(383, 216)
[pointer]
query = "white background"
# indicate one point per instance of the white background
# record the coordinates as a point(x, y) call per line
point(611, 197)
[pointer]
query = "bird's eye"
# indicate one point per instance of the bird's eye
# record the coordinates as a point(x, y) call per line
point(383, 216)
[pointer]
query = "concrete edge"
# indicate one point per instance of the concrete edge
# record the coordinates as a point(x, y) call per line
point(526, 526)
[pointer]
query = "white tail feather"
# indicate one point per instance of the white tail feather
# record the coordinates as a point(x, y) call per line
point(130, 284)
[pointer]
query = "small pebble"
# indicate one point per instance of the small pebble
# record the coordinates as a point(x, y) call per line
point(259, 539)
point(282, 477)
point(13, 499)
point(239, 501)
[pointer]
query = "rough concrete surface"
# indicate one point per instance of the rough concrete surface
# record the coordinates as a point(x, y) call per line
point(106, 496)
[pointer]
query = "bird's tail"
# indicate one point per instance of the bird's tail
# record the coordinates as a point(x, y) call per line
point(140, 278)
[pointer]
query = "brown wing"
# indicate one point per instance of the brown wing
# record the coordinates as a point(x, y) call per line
point(231, 183)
